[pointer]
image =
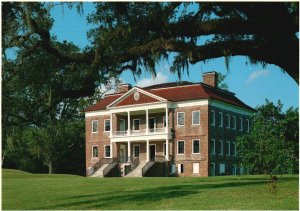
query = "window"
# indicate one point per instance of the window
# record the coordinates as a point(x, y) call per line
point(212, 117)
point(212, 169)
point(234, 149)
point(228, 147)
point(227, 121)
point(233, 169)
point(95, 151)
point(180, 119)
point(221, 147)
point(95, 126)
point(196, 146)
point(195, 168)
point(107, 125)
point(241, 124)
point(222, 168)
point(180, 168)
point(196, 118)
point(136, 124)
point(248, 126)
point(221, 119)
point(180, 147)
point(234, 122)
point(107, 151)
point(212, 146)
point(136, 150)
point(164, 146)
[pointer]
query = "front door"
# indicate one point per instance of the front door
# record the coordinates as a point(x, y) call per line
point(123, 154)
point(152, 152)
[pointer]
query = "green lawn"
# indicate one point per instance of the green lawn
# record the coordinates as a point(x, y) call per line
point(40, 191)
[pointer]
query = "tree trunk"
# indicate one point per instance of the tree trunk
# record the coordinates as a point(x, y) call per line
point(50, 167)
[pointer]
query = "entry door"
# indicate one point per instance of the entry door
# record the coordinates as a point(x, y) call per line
point(122, 125)
point(123, 154)
point(152, 124)
point(152, 152)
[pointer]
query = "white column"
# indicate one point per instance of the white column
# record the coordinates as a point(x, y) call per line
point(111, 150)
point(167, 149)
point(129, 152)
point(147, 122)
point(167, 120)
point(128, 117)
point(111, 125)
point(147, 150)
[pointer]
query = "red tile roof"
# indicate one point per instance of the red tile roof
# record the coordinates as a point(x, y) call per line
point(175, 93)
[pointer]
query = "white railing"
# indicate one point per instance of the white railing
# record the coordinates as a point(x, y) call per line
point(137, 132)
point(151, 131)
point(120, 133)
point(157, 130)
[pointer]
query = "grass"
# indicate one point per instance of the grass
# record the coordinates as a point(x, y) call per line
point(21, 190)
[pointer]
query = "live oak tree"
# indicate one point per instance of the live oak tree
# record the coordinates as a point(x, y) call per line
point(133, 36)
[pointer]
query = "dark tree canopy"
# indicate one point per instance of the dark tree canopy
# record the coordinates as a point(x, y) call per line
point(132, 36)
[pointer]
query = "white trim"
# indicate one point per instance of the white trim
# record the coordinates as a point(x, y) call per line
point(133, 127)
point(97, 113)
point(193, 117)
point(241, 124)
point(213, 140)
point(196, 153)
point(222, 144)
point(164, 149)
point(164, 121)
point(221, 119)
point(230, 107)
point(234, 122)
point(104, 125)
point(183, 119)
point(134, 89)
point(93, 151)
point(110, 152)
point(138, 107)
point(228, 121)
point(136, 145)
point(196, 168)
point(178, 147)
point(248, 125)
point(214, 122)
point(189, 103)
point(228, 148)
point(95, 120)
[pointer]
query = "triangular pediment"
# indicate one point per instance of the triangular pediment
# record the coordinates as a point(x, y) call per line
point(136, 96)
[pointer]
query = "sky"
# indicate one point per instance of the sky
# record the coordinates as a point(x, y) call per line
point(251, 83)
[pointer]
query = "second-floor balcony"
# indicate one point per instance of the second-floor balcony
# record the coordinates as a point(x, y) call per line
point(140, 132)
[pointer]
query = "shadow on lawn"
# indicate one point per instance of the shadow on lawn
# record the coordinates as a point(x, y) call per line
point(138, 197)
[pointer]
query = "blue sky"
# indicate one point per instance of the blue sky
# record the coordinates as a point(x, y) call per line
point(251, 83)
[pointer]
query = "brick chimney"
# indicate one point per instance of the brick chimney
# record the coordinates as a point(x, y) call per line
point(124, 88)
point(210, 78)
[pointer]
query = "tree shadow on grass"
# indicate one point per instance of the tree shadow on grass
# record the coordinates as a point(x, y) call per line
point(141, 196)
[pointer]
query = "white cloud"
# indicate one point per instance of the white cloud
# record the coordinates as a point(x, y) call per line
point(160, 78)
point(256, 74)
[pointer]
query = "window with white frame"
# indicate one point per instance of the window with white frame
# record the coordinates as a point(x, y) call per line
point(228, 147)
point(95, 151)
point(234, 122)
point(248, 125)
point(233, 169)
point(222, 168)
point(227, 121)
point(212, 117)
point(234, 149)
point(107, 151)
point(180, 118)
point(212, 146)
point(136, 150)
point(136, 124)
point(196, 146)
point(221, 119)
point(180, 147)
point(220, 147)
point(107, 125)
point(241, 124)
point(95, 126)
point(196, 117)
point(195, 168)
